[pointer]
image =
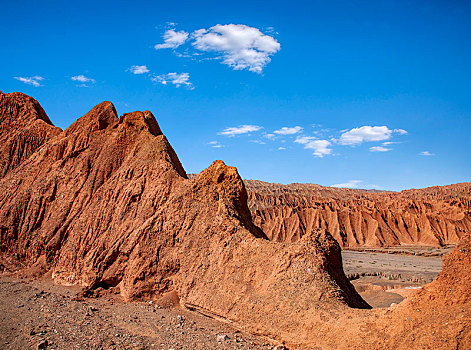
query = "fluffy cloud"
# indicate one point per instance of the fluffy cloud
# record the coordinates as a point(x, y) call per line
point(281, 148)
point(177, 79)
point(30, 80)
point(139, 69)
point(288, 131)
point(241, 129)
point(320, 147)
point(241, 46)
point(365, 133)
point(349, 184)
point(172, 39)
point(379, 149)
point(426, 153)
point(83, 79)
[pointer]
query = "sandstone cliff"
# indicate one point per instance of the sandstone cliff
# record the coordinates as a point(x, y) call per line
point(434, 216)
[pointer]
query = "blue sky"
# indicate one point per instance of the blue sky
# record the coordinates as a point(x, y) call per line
point(351, 93)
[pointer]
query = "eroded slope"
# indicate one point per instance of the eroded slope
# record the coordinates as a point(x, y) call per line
point(436, 216)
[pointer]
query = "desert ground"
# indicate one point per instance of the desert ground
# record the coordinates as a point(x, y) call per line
point(39, 312)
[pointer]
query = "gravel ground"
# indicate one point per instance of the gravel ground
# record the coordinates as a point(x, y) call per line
point(39, 314)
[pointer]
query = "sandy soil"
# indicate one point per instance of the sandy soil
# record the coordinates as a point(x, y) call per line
point(33, 312)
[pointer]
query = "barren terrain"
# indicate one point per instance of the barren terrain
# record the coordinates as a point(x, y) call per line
point(383, 278)
point(37, 311)
point(106, 207)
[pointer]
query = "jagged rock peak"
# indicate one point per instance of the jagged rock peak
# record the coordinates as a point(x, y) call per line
point(24, 128)
point(98, 118)
point(141, 120)
point(17, 107)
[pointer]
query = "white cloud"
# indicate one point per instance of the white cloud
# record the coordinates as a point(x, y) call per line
point(426, 153)
point(288, 131)
point(365, 133)
point(241, 129)
point(139, 69)
point(241, 46)
point(258, 142)
point(320, 147)
point(379, 149)
point(30, 80)
point(172, 39)
point(270, 136)
point(215, 144)
point(400, 131)
point(281, 148)
point(349, 184)
point(177, 79)
point(83, 79)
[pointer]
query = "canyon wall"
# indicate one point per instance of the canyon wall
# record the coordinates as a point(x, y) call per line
point(434, 216)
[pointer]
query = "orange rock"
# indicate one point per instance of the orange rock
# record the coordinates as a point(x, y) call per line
point(434, 216)
point(106, 203)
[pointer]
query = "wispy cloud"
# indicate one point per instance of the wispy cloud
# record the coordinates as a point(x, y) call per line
point(281, 148)
point(259, 142)
point(215, 144)
point(139, 69)
point(349, 184)
point(172, 39)
point(320, 147)
point(426, 153)
point(31, 80)
point(288, 130)
point(400, 131)
point(379, 149)
point(82, 79)
point(269, 136)
point(177, 79)
point(239, 130)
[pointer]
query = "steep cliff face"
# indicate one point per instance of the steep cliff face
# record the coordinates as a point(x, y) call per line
point(106, 203)
point(435, 216)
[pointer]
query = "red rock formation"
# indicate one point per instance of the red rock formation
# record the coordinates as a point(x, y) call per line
point(106, 203)
point(434, 216)
point(24, 128)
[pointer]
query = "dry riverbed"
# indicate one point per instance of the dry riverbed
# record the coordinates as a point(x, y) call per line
point(383, 278)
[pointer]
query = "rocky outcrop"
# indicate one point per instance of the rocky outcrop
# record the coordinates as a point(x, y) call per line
point(107, 204)
point(435, 216)
point(24, 128)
